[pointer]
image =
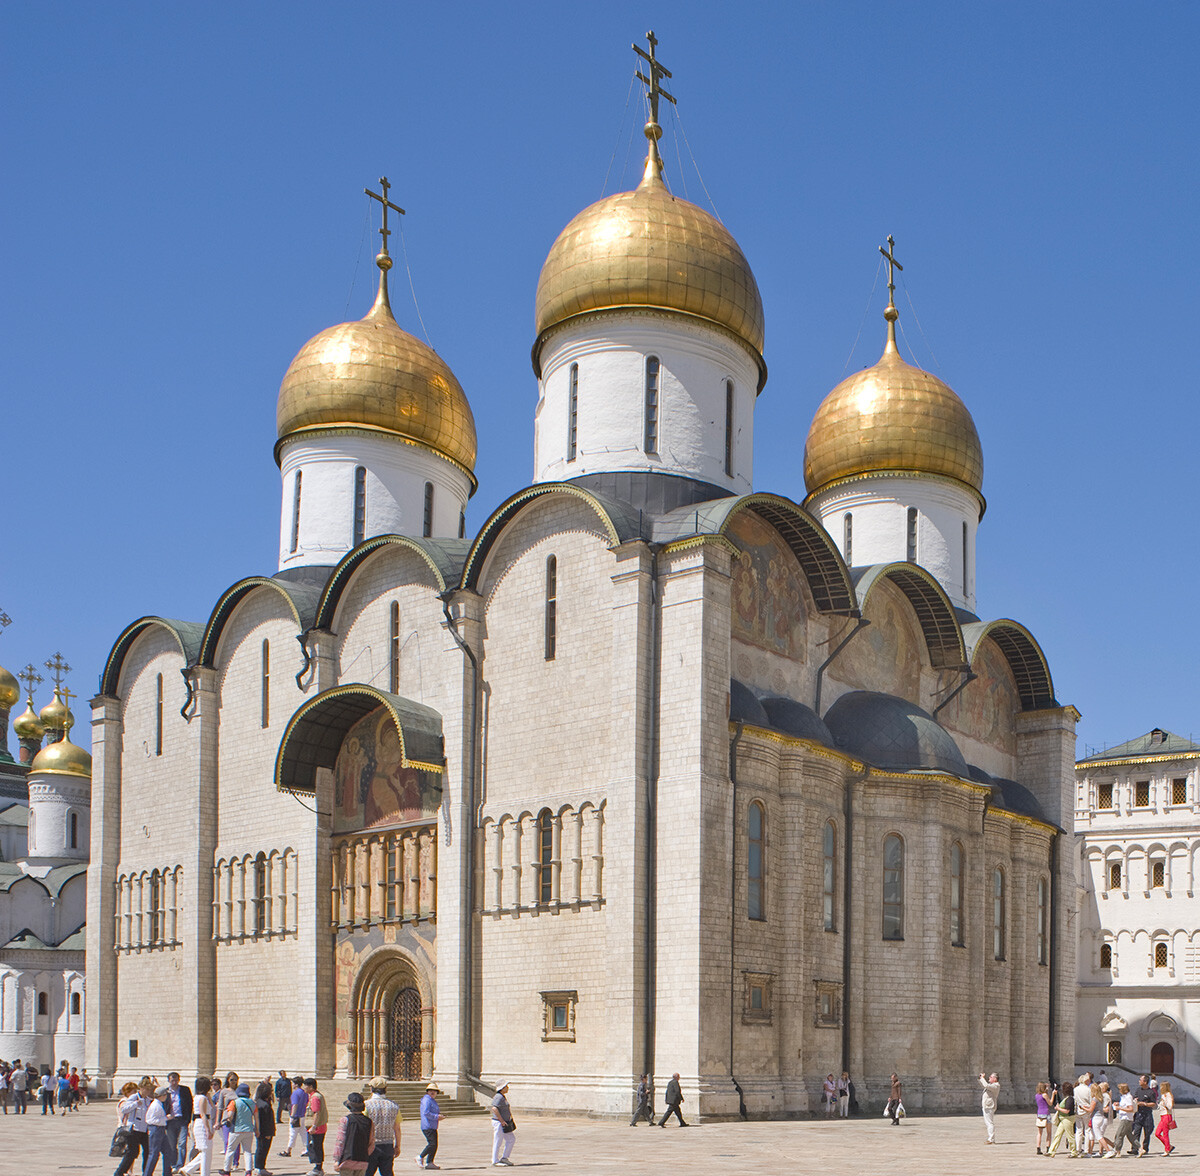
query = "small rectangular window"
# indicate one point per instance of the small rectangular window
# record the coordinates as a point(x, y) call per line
point(1160, 955)
point(650, 434)
point(1104, 793)
point(1114, 875)
point(133, 1047)
point(912, 535)
point(560, 1016)
point(1141, 794)
point(729, 428)
point(1114, 1053)
point(573, 412)
point(75, 1004)
point(1179, 791)
point(427, 526)
point(1106, 957)
point(1158, 872)
point(756, 998)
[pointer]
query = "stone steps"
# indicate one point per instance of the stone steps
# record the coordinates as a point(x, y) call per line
point(406, 1095)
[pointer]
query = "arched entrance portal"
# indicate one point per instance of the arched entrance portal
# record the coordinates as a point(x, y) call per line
point(391, 1020)
point(1162, 1058)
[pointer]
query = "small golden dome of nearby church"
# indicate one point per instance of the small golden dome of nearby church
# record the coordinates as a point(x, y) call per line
point(892, 417)
point(372, 374)
point(27, 725)
point(63, 759)
point(10, 690)
point(55, 716)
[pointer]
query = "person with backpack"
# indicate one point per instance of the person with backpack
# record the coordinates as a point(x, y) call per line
point(355, 1137)
point(240, 1119)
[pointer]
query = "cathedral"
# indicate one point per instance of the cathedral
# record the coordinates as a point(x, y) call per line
point(659, 771)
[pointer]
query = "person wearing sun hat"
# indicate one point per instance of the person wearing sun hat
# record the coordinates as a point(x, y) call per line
point(503, 1128)
point(355, 1137)
point(385, 1117)
point(431, 1116)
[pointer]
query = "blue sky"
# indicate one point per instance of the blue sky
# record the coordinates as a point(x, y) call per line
point(182, 199)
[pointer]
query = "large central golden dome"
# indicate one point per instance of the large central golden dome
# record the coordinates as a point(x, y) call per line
point(373, 374)
point(647, 248)
point(892, 417)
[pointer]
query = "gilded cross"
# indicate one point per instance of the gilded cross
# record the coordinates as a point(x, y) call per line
point(890, 254)
point(384, 232)
point(31, 678)
point(657, 72)
point(66, 695)
point(5, 620)
point(58, 669)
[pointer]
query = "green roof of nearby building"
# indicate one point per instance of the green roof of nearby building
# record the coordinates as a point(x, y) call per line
point(26, 940)
point(15, 814)
point(1157, 742)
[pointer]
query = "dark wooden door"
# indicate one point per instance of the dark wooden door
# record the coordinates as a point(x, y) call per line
point(1162, 1058)
point(406, 1035)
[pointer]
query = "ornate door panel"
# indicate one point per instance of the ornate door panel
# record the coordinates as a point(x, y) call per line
point(406, 1035)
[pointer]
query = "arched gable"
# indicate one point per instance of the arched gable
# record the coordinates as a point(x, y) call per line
point(445, 558)
point(188, 635)
point(1024, 656)
point(315, 732)
point(619, 523)
point(824, 569)
point(930, 604)
point(301, 598)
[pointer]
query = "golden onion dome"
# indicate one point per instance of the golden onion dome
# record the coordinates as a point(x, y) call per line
point(10, 690)
point(372, 374)
point(63, 759)
point(892, 417)
point(55, 716)
point(27, 725)
point(647, 248)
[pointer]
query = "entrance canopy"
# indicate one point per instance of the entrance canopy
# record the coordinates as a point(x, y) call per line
point(315, 734)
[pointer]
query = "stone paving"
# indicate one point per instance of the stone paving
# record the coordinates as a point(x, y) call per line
point(926, 1146)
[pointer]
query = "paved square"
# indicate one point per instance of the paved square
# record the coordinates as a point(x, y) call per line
point(928, 1146)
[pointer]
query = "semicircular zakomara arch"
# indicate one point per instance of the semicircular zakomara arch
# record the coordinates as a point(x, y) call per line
point(1025, 658)
point(188, 635)
point(930, 604)
point(315, 732)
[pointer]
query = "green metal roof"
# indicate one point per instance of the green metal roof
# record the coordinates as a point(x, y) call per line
point(1156, 742)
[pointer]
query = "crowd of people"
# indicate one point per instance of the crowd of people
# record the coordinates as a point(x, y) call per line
point(223, 1128)
point(59, 1091)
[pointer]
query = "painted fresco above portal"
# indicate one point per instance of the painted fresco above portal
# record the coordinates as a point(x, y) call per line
point(371, 788)
point(768, 601)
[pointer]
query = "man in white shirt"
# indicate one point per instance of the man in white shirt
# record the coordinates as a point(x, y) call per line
point(1083, 1117)
point(991, 1095)
point(48, 1086)
point(1125, 1109)
point(156, 1125)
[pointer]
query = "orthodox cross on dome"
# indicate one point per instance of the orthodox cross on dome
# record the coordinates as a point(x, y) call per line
point(66, 694)
point(58, 669)
point(5, 620)
point(31, 678)
point(384, 232)
point(654, 92)
point(889, 253)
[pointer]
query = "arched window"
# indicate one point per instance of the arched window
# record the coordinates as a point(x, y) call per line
point(829, 876)
point(76, 1004)
point(158, 716)
point(1114, 875)
point(912, 535)
point(650, 436)
point(756, 906)
point(360, 504)
point(729, 428)
point(551, 606)
point(296, 511)
point(1106, 956)
point(156, 904)
point(73, 831)
point(260, 894)
point(427, 525)
point(573, 412)
point(394, 649)
point(957, 880)
point(545, 856)
point(1160, 955)
point(43, 1004)
point(998, 913)
point(1043, 944)
point(893, 886)
point(266, 682)
point(848, 538)
point(31, 830)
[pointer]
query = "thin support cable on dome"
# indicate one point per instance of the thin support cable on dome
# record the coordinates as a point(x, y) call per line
point(678, 157)
point(866, 311)
point(358, 259)
point(617, 141)
point(683, 132)
point(408, 270)
point(920, 328)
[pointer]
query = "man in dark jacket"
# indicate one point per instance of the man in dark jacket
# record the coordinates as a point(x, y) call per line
point(643, 1103)
point(673, 1098)
point(283, 1096)
point(179, 1115)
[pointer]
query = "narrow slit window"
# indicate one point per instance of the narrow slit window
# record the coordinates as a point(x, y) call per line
point(266, 683)
point(360, 504)
point(1158, 875)
point(573, 412)
point(43, 1006)
point(829, 877)
point(392, 895)
point(74, 837)
point(893, 887)
point(756, 895)
point(394, 649)
point(1106, 957)
point(158, 717)
point(462, 524)
point(1043, 948)
point(260, 894)
point(957, 879)
point(650, 438)
point(296, 510)
point(912, 535)
point(551, 607)
point(998, 914)
point(964, 560)
point(729, 428)
point(427, 526)
point(76, 1004)
point(156, 903)
point(848, 538)
point(545, 856)
point(1114, 875)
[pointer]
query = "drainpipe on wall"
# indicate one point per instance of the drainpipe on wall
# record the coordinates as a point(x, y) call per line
point(1052, 921)
point(862, 624)
point(847, 897)
point(733, 745)
point(968, 678)
point(652, 763)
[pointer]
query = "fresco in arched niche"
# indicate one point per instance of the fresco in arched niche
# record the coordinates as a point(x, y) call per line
point(886, 655)
point(768, 598)
point(371, 788)
point(985, 708)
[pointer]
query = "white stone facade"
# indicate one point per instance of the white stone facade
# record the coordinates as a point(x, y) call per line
point(1138, 816)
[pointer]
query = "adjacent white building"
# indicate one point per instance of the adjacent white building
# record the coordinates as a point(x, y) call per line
point(1138, 819)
